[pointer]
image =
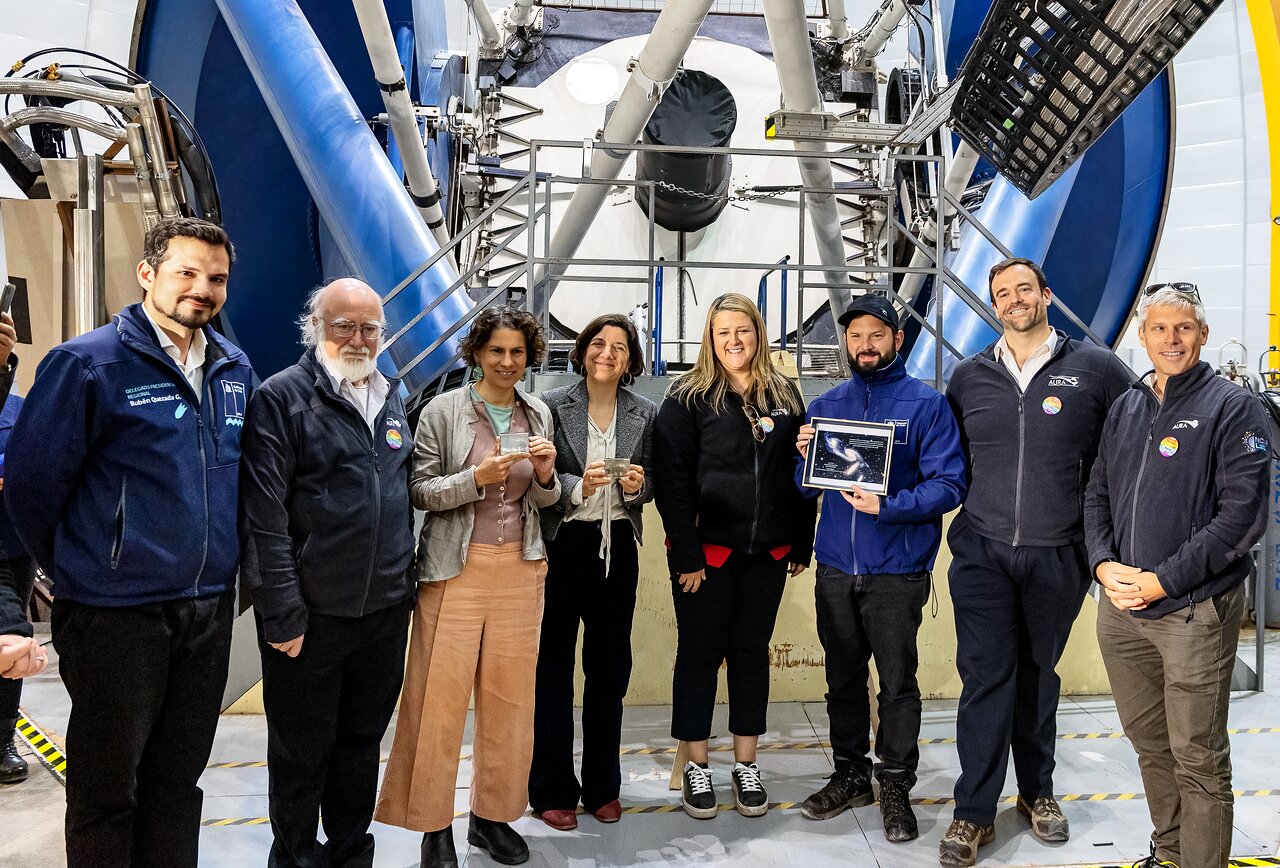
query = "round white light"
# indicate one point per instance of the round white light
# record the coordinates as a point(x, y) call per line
point(592, 80)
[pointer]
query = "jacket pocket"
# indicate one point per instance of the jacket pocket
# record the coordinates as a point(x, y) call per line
point(117, 542)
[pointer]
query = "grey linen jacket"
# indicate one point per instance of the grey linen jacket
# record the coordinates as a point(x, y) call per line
point(634, 440)
point(446, 489)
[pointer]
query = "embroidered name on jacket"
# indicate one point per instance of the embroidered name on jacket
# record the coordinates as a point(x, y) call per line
point(1072, 382)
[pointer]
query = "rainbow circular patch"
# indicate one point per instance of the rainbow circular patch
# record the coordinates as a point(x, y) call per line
point(766, 424)
point(1052, 405)
point(1169, 446)
point(394, 440)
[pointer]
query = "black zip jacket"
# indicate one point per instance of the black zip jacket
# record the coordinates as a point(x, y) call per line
point(13, 620)
point(714, 483)
point(1180, 487)
point(325, 520)
point(1029, 453)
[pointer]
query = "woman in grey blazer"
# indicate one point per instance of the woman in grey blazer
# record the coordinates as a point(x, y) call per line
point(591, 534)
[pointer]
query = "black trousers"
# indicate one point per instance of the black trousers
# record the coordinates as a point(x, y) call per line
point(327, 710)
point(1014, 607)
point(729, 619)
point(146, 687)
point(577, 590)
point(19, 574)
point(860, 617)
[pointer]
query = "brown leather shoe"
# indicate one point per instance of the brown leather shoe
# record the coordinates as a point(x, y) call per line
point(610, 813)
point(959, 847)
point(556, 818)
point(1048, 823)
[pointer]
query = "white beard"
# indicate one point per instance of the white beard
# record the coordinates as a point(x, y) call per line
point(355, 368)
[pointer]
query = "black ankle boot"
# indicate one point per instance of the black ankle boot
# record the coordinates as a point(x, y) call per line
point(502, 842)
point(13, 768)
point(437, 849)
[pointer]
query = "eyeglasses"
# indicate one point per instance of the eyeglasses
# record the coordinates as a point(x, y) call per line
point(345, 328)
point(757, 428)
point(1182, 286)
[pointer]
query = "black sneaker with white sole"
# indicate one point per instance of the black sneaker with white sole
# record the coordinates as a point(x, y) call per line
point(749, 796)
point(697, 795)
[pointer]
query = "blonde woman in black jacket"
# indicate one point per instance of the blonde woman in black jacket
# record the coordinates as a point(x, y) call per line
point(736, 528)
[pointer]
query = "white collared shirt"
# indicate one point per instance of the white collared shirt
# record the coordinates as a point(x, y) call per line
point(367, 399)
point(193, 367)
point(1038, 359)
point(600, 445)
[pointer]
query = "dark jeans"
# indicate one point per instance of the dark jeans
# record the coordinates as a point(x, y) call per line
point(1172, 679)
point(146, 687)
point(19, 574)
point(327, 710)
point(1014, 607)
point(578, 590)
point(860, 617)
point(729, 619)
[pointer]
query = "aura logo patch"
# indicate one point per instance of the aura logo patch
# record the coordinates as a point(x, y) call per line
point(1071, 382)
point(1186, 423)
point(1051, 405)
point(1169, 447)
point(394, 440)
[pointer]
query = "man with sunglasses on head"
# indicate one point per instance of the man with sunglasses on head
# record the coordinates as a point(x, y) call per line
point(1031, 408)
point(327, 532)
point(875, 554)
point(1176, 500)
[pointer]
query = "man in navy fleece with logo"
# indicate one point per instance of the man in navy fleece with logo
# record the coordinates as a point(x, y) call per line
point(874, 559)
point(121, 480)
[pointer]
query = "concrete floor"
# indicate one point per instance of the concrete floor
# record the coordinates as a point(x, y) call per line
point(1097, 780)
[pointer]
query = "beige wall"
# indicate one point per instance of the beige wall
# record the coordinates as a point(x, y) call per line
point(796, 653)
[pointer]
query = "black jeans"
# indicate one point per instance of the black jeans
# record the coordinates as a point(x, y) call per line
point(327, 710)
point(1014, 607)
point(578, 590)
point(146, 687)
point(860, 617)
point(729, 619)
point(19, 574)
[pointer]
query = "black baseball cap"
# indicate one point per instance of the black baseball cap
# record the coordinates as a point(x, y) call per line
point(873, 304)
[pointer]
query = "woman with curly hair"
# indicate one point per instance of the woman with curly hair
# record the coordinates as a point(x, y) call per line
point(481, 566)
point(736, 528)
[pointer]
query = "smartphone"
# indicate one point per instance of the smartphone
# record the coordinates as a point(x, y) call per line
point(6, 297)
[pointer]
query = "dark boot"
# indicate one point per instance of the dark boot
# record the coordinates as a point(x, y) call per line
point(895, 809)
point(437, 849)
point(13, 768)
point(499, 839)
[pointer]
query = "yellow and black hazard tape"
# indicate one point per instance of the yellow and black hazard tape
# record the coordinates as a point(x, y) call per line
point(674, 806)
point(793, 745)
point(50, 754)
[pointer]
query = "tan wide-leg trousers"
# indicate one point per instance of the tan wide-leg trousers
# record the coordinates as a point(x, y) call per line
point(477, 629)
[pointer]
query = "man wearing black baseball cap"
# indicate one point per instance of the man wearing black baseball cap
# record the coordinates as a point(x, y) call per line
point(874, 559)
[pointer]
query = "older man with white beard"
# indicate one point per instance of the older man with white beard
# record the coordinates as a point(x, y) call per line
point(326, 528)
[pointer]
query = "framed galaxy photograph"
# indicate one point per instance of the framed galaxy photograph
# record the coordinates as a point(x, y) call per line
point(843, 454)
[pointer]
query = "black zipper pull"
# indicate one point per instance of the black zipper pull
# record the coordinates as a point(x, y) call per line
point(1191, 614)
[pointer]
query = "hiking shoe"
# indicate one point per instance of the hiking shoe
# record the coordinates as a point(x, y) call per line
point(960, 845)
point(697, 795)
point(749, 796)
point(895, 809)
point(844, 789)
point(1048, 823)
point(1153, 861)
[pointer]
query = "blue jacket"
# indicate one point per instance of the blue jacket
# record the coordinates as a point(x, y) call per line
point(10, 545)
point(926, 476)
point(123, 490)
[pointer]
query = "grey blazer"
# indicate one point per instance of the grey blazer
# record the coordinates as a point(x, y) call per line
point(636, 415)
point(440, 484)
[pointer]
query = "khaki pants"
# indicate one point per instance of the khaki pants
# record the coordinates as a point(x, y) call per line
point(1171, 679)
point(477, 629)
